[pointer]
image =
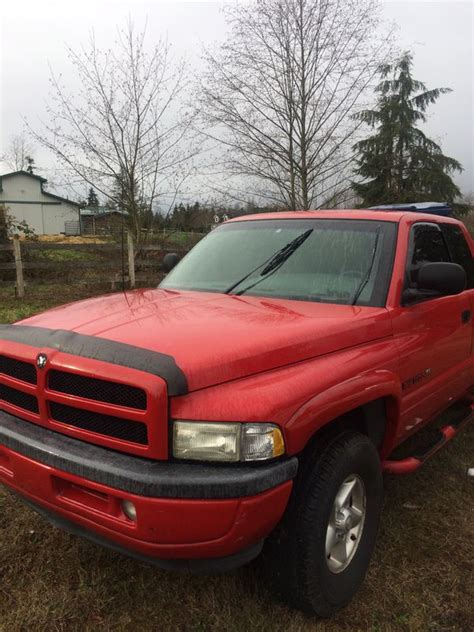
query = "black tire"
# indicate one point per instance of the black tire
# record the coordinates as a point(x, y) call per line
point(303, 576)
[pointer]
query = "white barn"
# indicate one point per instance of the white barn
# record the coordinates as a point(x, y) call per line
point(22, 193)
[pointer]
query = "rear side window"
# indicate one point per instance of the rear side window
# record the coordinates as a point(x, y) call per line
point(459, 250)
point(427, 246)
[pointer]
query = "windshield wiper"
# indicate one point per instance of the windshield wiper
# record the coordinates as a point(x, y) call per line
point(273, 263)
point(366, 278)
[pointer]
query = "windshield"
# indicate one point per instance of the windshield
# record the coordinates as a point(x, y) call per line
point(331, 261)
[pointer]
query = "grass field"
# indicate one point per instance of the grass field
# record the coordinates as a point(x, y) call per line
point(421, 578)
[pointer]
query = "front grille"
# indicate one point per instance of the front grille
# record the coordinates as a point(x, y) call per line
point(132, 431)
point(18, 398)
point(18, 369)
point(120, 412)
point(98, 390)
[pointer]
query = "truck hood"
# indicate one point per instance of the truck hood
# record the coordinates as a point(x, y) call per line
point(215, 338)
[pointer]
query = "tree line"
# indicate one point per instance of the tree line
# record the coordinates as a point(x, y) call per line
point(306, 104)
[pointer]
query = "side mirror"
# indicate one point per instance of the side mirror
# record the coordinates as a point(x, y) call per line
point(445, 278)
point(169, 261)
point(437, 279)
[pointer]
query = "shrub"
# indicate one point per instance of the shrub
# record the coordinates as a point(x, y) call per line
point(3, 224)
point(10, 226)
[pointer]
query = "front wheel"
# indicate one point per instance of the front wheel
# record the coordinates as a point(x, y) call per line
point(328, 536)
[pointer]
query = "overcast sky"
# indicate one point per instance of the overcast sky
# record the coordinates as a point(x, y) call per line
point(34, 35)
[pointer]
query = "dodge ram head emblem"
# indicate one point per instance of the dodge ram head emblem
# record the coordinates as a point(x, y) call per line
point(41, 360)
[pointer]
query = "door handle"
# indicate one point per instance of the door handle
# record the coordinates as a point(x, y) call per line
point(466, 316)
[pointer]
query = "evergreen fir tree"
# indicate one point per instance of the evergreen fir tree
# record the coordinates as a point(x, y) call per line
point(92, 199)
point(399, 163)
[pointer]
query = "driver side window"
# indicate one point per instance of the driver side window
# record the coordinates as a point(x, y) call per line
point(427, 245)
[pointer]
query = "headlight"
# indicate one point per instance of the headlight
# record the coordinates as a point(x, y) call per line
point(228, 442)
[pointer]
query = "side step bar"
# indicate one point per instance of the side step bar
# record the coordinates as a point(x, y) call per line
point(412, 463)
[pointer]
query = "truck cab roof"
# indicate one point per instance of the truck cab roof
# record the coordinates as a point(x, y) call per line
point(384, 215)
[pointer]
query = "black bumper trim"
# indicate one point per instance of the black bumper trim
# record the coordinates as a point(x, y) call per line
point(205, 566)
point(137, 475)
point(96, 348)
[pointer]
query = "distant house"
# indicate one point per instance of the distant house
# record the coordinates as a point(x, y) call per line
point(47, 214)
point(101, 219)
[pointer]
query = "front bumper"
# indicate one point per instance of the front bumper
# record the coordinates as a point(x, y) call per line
point(184, 511)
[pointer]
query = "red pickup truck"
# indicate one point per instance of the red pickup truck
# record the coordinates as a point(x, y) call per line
point(259, 391)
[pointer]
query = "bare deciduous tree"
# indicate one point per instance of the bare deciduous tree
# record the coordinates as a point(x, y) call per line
point(122, 132)
point(279, 93)
point(19, 154)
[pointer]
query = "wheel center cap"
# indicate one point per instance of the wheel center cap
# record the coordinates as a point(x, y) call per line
point(344, 520)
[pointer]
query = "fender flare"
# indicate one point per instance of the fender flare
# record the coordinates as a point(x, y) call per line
point(341, 399)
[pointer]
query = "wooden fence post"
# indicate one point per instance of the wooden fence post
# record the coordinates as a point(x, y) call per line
point(20, 283)
point(131, 260)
